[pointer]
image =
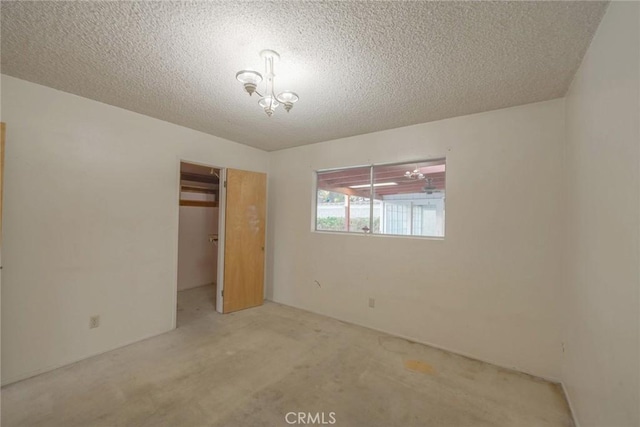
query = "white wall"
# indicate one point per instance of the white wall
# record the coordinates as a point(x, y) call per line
point(489, 289)
point(91, 224)
point(197, 256)
point(600, 363)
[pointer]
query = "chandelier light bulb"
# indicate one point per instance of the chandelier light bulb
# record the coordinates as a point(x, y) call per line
point(268, 100)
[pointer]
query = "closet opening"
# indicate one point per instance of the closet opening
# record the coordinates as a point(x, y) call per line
point(198, 230)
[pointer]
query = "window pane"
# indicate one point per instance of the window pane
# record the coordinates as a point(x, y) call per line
point(331, 211)
point(360, 210)
point(411, 198)
point(343, 200)
point(377, 215)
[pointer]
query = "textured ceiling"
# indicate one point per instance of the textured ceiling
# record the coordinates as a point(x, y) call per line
point(358, 67)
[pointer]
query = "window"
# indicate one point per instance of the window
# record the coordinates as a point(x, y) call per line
point(404, 199)
point(343, 208)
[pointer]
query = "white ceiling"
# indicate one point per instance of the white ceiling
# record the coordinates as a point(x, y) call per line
point(358, 67)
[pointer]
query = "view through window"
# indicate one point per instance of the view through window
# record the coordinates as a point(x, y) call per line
point(397, 199)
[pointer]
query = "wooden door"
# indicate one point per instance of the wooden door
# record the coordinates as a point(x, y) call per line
point(244, 240)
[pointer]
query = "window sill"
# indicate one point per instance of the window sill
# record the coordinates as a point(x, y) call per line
point(399, 236)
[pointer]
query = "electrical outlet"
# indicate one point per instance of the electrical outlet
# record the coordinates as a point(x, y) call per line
point(372, 302)
point(94, 322)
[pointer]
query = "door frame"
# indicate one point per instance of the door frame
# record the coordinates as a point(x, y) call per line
point(3, 134)
point(221, 226)
point(222, 213)
point(3, 128)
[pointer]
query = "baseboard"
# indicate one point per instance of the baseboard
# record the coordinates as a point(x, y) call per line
point(50, 368)
point(439, 347)
point(576, 423)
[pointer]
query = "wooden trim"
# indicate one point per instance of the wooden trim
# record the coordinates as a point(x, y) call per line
point(210, 179)
point(189, 189)
point(199, 203)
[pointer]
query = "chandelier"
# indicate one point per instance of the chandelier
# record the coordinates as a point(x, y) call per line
point(415, 175)
point(269, 101)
